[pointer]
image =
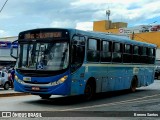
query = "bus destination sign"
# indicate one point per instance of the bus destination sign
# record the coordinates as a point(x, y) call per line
point(43, 35)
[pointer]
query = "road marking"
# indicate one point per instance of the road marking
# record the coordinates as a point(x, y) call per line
point(115, 103)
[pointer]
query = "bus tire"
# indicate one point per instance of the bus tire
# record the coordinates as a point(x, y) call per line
point(134, 84)
point(45, 96)
point(89, 91)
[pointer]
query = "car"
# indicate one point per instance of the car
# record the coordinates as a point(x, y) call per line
point(157, 72)
point(4, 82)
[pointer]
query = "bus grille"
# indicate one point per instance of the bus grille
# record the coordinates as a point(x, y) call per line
point(36, 82)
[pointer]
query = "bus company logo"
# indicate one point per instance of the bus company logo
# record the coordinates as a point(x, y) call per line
point(6, 114)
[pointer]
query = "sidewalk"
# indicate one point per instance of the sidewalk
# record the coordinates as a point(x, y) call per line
point(10, 92)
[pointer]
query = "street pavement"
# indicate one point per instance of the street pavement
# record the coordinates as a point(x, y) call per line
point(10, 92)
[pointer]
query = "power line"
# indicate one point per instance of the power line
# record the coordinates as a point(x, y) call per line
point(3, 6)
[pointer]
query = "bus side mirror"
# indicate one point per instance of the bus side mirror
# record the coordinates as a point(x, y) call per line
point(14, 49)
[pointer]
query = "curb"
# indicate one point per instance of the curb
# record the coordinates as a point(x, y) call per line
point(13, 94)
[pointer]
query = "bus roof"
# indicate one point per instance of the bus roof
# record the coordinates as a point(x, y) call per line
point(115, 37)
point(99, 35)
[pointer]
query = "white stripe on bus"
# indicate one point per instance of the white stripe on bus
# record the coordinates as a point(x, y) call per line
point(116, 65)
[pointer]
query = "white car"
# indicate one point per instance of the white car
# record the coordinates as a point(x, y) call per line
point(4, 82)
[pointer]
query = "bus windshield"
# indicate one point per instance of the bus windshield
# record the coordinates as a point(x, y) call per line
point(44, 56)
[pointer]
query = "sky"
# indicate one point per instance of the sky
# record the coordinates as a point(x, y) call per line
point(20, 15)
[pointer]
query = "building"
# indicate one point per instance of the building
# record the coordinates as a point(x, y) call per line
point(5, 59)
point(144, 33)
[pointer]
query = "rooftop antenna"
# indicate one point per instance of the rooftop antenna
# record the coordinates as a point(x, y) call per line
point(108, 12)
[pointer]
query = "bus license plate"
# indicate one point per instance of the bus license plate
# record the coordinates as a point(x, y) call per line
point(35, 88)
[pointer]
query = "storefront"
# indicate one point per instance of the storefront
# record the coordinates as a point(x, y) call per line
point(5, 59)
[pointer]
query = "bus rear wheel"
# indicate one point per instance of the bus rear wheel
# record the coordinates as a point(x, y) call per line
point(134, 84)
point(89, 91)
point(45, 96)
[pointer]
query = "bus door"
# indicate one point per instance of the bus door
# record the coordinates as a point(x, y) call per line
point(77, 58)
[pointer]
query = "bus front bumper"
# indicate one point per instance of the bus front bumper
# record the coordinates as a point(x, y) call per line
point(61, 89)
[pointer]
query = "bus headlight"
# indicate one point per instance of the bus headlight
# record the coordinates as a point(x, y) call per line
point(16, 77)
point(61, 80)
point(18, 80)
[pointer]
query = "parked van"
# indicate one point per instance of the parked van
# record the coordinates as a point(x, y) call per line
point(4, 82)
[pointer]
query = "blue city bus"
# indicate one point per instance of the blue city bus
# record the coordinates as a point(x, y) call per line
point(56, 61)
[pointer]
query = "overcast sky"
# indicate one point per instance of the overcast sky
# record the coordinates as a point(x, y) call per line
point(19, 15)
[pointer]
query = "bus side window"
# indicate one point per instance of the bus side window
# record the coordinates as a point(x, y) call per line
point(106, 53)
point(136, 56)
point(144, 55)
point(117, 52)
point(151, 55)
point(78, 52)
point(93, 52)
point(127, 54)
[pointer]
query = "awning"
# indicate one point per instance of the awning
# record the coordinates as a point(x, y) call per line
point(7, 58)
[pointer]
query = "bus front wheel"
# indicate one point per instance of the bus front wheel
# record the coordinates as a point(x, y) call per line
point(89, 91)
point(45, 96)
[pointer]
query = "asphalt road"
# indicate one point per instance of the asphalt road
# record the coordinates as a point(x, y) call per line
point(145, 101)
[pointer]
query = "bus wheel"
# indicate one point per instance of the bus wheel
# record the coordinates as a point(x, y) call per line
point(89, 91)
point(134, 84)
point(45, 96)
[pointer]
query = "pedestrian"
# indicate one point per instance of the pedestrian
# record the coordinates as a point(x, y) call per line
point(12, 77)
